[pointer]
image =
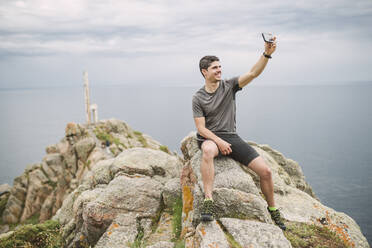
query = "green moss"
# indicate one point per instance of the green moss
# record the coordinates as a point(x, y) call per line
point(303, 235)
point(87, 164)
point(164, 149)
point(155, 219)
point(104, 136)
point(233, 243)
point(177, 217)
point(46, 235)
point(34, 219)
point(179, 244)
point(138, 242)
point(3, 203)
point(141, 138)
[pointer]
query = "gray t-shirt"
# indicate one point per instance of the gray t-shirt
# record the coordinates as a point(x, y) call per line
point(218, 107)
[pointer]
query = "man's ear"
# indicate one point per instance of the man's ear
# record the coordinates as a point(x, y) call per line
point(204, 71)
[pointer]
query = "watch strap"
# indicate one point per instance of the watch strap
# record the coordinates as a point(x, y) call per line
point(267, 56)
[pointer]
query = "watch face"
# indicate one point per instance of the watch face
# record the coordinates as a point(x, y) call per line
point(268, 37)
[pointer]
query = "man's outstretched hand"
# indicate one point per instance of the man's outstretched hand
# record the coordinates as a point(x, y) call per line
point(270, 47)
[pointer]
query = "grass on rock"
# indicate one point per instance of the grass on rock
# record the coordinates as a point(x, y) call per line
point(302, 235)
point(46, 235)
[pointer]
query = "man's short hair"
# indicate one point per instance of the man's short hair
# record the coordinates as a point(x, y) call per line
point(206, 61)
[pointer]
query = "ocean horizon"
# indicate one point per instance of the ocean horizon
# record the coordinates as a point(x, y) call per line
point(325, 128)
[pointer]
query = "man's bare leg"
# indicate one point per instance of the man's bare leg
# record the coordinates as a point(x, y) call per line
point(259, 166)
point(210, 150)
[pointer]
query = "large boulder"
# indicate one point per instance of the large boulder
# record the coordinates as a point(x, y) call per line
point(241, 207)
point(121, 198)
point(42, 188)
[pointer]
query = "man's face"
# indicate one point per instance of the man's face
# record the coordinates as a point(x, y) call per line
point(213, 73)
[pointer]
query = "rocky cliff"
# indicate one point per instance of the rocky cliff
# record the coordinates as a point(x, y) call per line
point(110, 186)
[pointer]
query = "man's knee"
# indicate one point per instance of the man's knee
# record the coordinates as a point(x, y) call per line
point(259, 166)
point(209, 149)
point(266, 173)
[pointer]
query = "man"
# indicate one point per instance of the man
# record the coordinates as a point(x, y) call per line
point(214, 115)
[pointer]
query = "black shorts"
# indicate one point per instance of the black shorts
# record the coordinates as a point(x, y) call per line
point(241, 151)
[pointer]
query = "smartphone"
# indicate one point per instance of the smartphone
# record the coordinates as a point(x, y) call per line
point(268, 37)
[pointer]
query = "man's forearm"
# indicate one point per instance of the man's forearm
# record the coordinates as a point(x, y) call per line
point(254, 72)
point(259, 66)
point(208, 134)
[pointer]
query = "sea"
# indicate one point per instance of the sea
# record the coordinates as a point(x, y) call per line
point(327, 129)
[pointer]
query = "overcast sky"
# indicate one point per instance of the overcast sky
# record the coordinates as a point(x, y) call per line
point(51, 43)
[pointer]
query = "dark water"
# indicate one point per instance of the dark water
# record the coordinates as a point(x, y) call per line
point(327, 129)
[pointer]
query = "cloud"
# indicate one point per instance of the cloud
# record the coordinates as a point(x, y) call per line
point(119, 26)
point(163, 29)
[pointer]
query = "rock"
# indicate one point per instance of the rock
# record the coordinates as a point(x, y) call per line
point(37, 192)
point(4, 228)
point(31, 167)
point(210, 234)
point(121, 233)
point(125, 199)
point(131, 185)
point(172, 192)
point(237, 194)
point(147, 225)
point(46, 211)
point(72, 129)
point(14, 207)
point(148, 162)
point(189, 146)
point(255, 234)
point(96, 155)
point(102, 172)
point(13, 210)
point(163, 231)
point(151, 143)
point(84, 147)
point(189, 192)
point(238, 204)
point(42, 188)
point(6, 235)
point(55, 162)
point(162, 244)
point(52, 149)
point(4, 188)
point(124, 194)
point(49, 173)
point(299, 206)
point(67, 212)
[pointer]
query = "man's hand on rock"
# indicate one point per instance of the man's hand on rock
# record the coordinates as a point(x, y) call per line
point(224, 147)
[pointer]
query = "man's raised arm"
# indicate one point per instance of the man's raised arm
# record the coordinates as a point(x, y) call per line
point(222, 145)
point(259, 66)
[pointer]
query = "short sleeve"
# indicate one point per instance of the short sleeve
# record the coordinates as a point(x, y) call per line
point(196, 108)
point(235, 84)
